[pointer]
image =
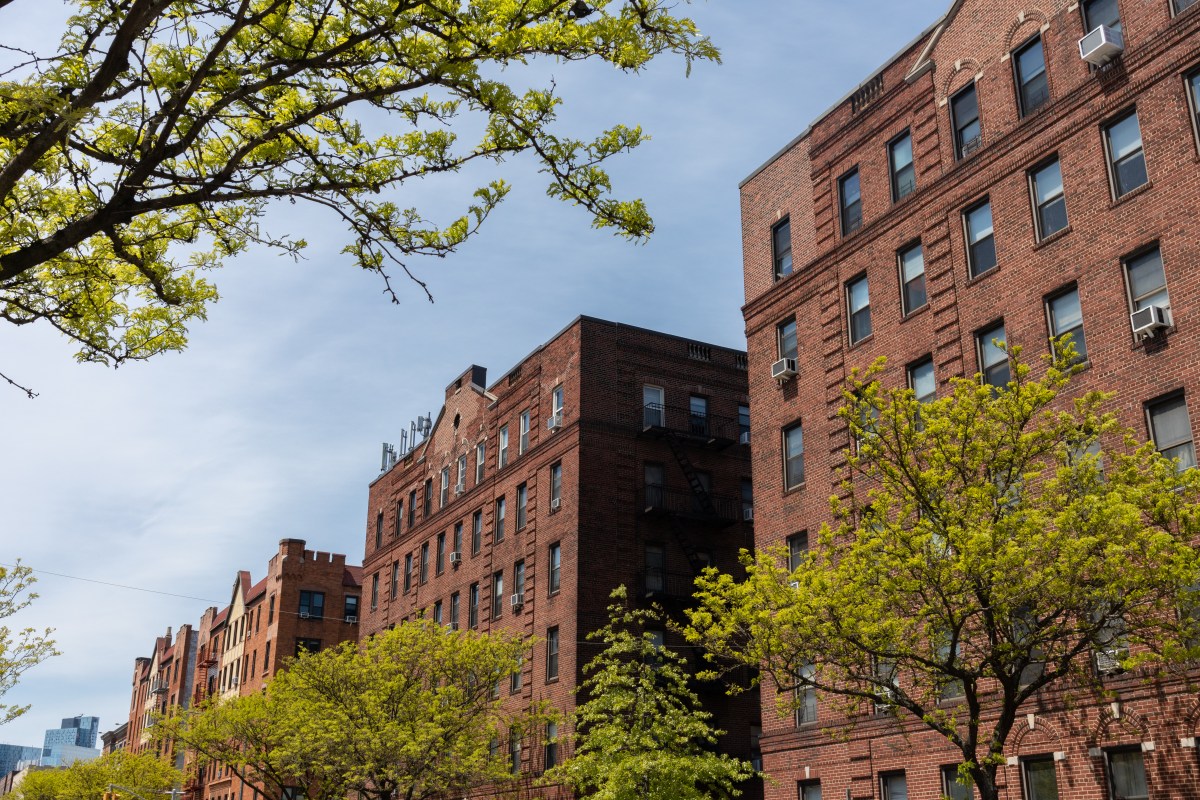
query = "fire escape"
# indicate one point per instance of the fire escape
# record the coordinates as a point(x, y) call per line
point(684, 430)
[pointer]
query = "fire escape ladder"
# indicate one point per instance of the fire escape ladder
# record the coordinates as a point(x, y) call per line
point(702, 499)
point(685, 543)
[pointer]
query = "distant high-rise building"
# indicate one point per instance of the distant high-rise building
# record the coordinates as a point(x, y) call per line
point(74, 740)
point(13, 754)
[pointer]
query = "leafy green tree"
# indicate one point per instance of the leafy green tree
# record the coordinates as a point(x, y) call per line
point(988, 544)
point(19, 650)
point(641, 733)
point(147, 148)
point(410, 713)
point(130, 774)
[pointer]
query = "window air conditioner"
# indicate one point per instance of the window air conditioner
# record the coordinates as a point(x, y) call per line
point(304, 615)
point(744, 438)
point(1108, 661)
point(555, 503)
point(794, 584)
point(455, 557)
point(885, 702)
point(517, 600)
point(555, 421)
point(783, 369)
point(352, 619)
point(452, 626)
point(1147, 320)
point(748, 514)
point(459, 488)
point(1101, 45)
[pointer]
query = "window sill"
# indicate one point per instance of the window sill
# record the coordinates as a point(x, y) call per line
point(860, 342)
point(973, 279)
point(1145, 187)
point(1052, 238)
point(551, 680)
point(916, 312)
point(554, 593)
point(790, 489)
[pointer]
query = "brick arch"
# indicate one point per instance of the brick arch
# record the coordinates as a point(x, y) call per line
point(1025, 24)
point(1191, 719)
point(965, 65)
point(1045, 729)
point(1109, 727)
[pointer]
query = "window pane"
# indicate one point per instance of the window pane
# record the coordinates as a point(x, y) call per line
point(912, 275)
point(1172, 430)
point(1128, 774)
point(786, 333)
point(793, 449)
point(993, 361)
point(981, 244)
point(1182, 5)
point(1147, 282)
point(903, 174)
point(781, 243)
point(953, 789)
point(859, 301)
point(1048, 197)
point(964, 111)
point(1124, 137)
point(1040, 780)
point(894, 786)
point(851, 200)
point(1125, 150)
point(921, 380)
point(1101, 12)
point(1067, 317)
point(1031, 73)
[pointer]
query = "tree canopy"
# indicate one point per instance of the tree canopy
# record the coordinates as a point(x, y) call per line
point(130, 775)
point(409, 714)
point(146, 149)
point(22, 649)
point(641, 733)
point(986, 545)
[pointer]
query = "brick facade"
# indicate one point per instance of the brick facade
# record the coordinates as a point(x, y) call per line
point(607, 524)
point(975, 42)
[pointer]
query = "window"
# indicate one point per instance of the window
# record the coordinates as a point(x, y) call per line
point(502, 451)
point(379, 530)
point(793, 456)
point(744, 423)
point(444, 494)
point(497, 594)
point(480, 458)
point(473, 606)
point(912, 278)
point(498, 533)
point(428, 496)
point(1100, 12)
point(312, 604)
point(555, 486)
point(375, 591)
point(655, 489)
point(399, 517)
point(1038, 778)
point(519, 578)
point(1030, 65)
point(900, 165)
point(698, 415)
point(412, 508)
point(653, 412)
point(461, 484)
point(424, 562)
point(747, 499)
point(1049, 204)
point(850, 199)
point(522, 506)
point(806, 697)
point(1179, 6)
point(457, 546)
point(797, 549)
point(781, 248)
point(1146, 280)
point(454, 603)
point(1126, 774)
point(922, 381)
point(437, 612)
point(1126, 160)
point(552, 654)
point(440, 559)
point(951, 788)
point(981, 244)
point(858, 307)
point(785, 338)
point(808, 790)
point(476, 532)
point(408, 571)
point(556, 405)
point(964, 117)
point(551, 759)
point(993, 360)
point(395, 579)
point(514, 680)
point(1193, 86)
point(555, 577)
point(307, 646)
point(1065, 317)
point(523, 442)
point(1171, 429)
point(893, 786)
point(656, 568)
point(514, 751)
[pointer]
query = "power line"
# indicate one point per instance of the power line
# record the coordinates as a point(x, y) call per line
point(116, 585)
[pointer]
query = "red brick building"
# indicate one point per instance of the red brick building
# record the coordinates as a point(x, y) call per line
point(610, 455)
point(161, 681)
point(986, 181)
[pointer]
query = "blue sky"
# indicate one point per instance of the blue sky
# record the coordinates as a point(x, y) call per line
point(174, 474)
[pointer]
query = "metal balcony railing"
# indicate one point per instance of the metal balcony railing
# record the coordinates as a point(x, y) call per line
point(656, 582)
point(659, 500)
point(706, 428)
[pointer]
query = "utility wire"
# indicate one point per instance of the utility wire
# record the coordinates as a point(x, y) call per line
point(116, 585)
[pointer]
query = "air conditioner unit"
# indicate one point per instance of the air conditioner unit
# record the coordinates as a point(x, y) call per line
point(1147, 320)
point(1108, 661)
point(783, 369)
point(748, 514)
point(885, 702)
point(517, 600)
point(744, 438)
point(555, 421)
point(794, 584)
point(455, 558)
point(304, 615)
point(1101, 45)
point(452, 626)
point(555, 503)
point(459, 488)
point(352, 619)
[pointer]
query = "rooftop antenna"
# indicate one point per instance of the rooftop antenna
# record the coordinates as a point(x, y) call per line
point(388, 457)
